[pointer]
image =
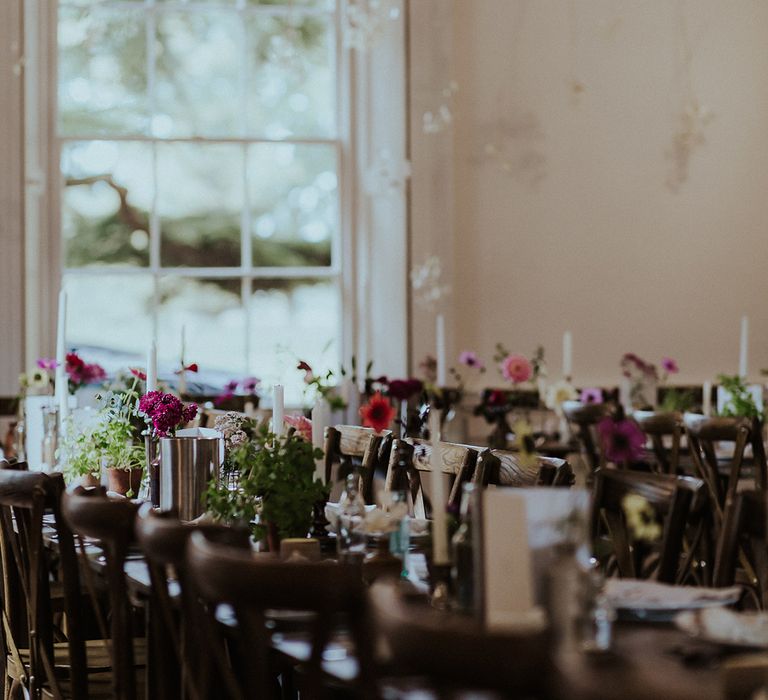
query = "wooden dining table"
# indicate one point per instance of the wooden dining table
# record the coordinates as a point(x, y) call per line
point(648, 661)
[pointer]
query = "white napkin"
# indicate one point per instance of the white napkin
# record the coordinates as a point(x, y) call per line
point(632, 594)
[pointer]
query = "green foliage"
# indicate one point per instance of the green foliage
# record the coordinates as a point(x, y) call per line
point(112, 439)
point(741, 403)
point(276, 483)
point(677, 400)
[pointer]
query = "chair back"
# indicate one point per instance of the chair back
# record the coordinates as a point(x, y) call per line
point(744, 542)
point(355, 447)
point(24, 498)
point(586, 416)
point(456, 652)
point(669, 498)
point(411, 457)
point(721, 475)
point(660, 426)
point(251, 585)
point(91, 513)
point(182, 663)
point(503, 468)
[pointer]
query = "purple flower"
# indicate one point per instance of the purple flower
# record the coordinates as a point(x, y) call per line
point(49, 364)
point(621, 440)
point(471, 359)
point(165, 412)
point(669, 365)
point(250, 384)
point(591, 395)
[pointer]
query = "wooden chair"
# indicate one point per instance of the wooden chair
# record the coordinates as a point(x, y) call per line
point(661, 426)
point(586, 416)
point(721, 478)
point(744, 536)
point(503, 468)
point(409, 458)
point(451, 652)
point(90, 513)
point(670, 497)
point(354, 447)
point(73, 668)
point(251, 585)
point(181, 664)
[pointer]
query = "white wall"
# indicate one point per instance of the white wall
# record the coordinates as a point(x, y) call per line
point(11, 197)
point(576, 227)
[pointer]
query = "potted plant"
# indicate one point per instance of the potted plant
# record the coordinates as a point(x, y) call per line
point(113, 441)
point(276, 488)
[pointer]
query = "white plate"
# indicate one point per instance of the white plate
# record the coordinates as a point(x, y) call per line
point(726, 627)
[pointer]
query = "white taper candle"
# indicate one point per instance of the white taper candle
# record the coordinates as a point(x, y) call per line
point(152, 367)
point(278, 409)
point(440, 351)
point(744, 348)
point(567, 354)
point(439, 517)
point(62, 384)
point(320, 417)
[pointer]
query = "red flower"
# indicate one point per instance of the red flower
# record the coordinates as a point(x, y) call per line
point(621, 440)
point(136, 372)
point(303, 366)
point(497, 398)
point(404, 389)
point(377, 413)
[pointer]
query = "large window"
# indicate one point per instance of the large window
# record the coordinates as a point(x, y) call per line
point(200, 172)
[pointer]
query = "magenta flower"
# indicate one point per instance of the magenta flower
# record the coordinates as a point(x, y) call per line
point(471, 359)
point(516, 369)
point(49, 364)
point(622, 440)
point(302, 424)
point(165, 412)
point(591, 395)
point(251, 384)
point(669, 365)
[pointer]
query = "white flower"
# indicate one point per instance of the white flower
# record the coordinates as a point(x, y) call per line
point(558, 393)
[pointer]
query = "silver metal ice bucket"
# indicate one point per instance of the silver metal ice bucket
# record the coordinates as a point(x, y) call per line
point(187, 464)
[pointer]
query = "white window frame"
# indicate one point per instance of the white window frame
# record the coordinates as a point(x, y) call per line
point(369, 256)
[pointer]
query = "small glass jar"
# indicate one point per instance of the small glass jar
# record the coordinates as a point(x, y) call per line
point(50, 437)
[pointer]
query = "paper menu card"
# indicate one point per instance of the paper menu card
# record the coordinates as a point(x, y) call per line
point(506, 559)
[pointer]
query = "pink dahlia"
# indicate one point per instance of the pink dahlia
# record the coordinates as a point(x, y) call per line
point(302, 424)
point(516, 369)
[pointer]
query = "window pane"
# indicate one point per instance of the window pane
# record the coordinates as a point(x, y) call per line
point(110, 315)
point(293, 320)
point(293, 195)
point(198, 74)
point(212, 315)
point(105, 203)
point(102, 71)
point(200, 203)
point(291, 88)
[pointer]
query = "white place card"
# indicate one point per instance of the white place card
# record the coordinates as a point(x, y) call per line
point(506, 560)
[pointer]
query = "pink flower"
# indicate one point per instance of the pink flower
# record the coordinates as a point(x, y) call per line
point(471, 359)
point(302, 424)
point(165, 412)
point(49, 364)
point(136, 372)
point(591, 395)
point(669, 365)
point(516, 369)
point(621, 440)
point(250, 384)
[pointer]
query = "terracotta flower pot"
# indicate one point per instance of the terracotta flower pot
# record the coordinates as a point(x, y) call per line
point(89, 481)
point(123, 480)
